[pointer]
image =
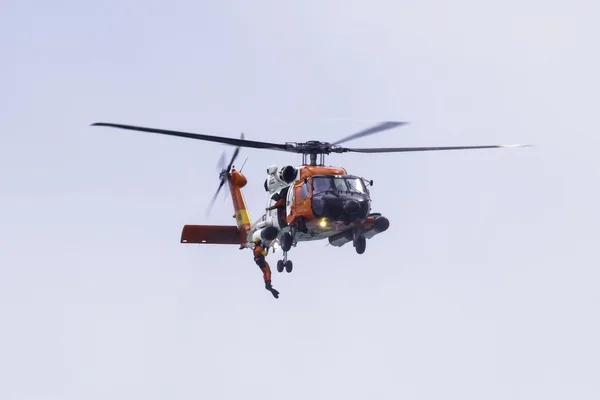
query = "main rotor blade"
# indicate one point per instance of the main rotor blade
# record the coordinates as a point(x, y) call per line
point(383, 126)
point(406, 149)
point(210, 138)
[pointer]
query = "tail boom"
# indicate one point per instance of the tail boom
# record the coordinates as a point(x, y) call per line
point(225, 234)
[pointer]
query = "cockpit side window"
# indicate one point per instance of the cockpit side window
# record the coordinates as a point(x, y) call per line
point(356, 185)
point(365, 184)
point(304, 190)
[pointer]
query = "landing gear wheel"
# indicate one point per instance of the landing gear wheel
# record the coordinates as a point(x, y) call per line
point(289, 266)
point(286, 242)
point(361, 244)
point(280, 265)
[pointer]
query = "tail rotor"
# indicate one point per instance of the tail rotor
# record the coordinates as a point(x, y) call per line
point(225, 171)
point(226, 196)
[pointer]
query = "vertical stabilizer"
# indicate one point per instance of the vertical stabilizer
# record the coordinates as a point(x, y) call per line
point(236, 182)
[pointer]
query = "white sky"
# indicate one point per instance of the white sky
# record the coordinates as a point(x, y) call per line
point(485, 285)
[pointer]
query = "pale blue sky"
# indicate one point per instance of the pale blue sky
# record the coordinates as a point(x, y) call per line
point(484, 287)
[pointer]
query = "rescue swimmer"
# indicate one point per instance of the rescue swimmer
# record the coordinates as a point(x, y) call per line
point(260, 253)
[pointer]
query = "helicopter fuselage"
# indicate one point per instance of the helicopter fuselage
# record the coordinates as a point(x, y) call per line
point(320, 202)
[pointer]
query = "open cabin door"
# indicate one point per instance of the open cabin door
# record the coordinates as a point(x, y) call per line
point(290, 200)
point(278, 215)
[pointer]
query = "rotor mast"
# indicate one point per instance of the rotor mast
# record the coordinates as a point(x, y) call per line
point(312, 158)
point(314, 151)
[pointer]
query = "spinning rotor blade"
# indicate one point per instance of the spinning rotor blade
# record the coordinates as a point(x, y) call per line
point(212, 202)
point(224, 175)
point(312, 147)
point(235, 154)
point(210, 138)
point(383, 126)
point(221, 162)
point(243, 164)
point(406, 149)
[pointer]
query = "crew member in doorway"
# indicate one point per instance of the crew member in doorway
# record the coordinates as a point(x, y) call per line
point(278, 203)
point(260, 253)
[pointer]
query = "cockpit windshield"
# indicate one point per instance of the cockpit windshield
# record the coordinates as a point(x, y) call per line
point(338, 184)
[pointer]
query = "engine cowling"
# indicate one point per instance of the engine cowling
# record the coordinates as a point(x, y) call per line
point(287, 174)
point(280, 177)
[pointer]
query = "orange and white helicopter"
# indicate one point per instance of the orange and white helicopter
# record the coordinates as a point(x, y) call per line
point(309, 202)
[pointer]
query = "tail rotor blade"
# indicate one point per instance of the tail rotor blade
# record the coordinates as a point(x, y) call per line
point(243, 164)
point(212, 202)
point(221, 163)
point(225, 171)
point(235, 154)
point(225, 196)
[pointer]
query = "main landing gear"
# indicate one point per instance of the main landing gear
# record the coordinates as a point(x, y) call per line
point(285, 264)
point(360, 242)
point(287, 241)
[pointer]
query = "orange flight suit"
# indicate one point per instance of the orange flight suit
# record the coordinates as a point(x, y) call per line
point(259, 257)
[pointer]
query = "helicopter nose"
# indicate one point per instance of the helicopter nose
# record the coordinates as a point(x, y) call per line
point(340, 208)
point(351, 206)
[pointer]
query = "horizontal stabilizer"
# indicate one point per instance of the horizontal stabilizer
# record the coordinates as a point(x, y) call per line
point(210, 234)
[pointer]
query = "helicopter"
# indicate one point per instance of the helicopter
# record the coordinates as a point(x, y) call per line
point(306, 202)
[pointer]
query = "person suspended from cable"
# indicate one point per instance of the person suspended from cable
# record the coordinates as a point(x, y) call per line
point(260, 252)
